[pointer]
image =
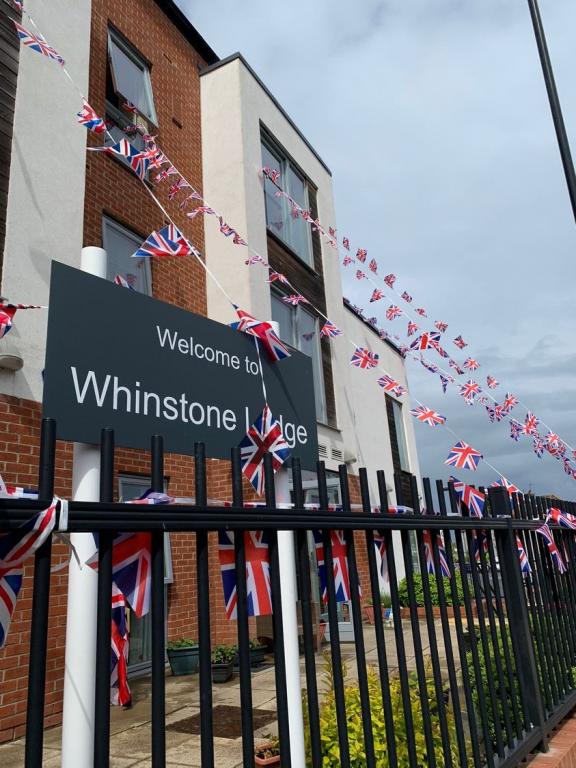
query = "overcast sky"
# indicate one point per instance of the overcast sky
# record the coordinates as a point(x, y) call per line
point(433, 117)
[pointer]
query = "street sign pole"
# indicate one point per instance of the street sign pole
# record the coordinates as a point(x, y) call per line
point(80, 658)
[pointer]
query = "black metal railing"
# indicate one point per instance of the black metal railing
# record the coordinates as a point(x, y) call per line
point(474, 668)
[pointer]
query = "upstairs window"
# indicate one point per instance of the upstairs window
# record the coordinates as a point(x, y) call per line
point(129, 77)
point(119, 244)
point(300, 330)
point(293, 232)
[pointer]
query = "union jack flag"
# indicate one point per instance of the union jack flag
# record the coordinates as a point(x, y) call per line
point(524, 564)
point(390, 280)
point(426, 340)
point(153, 497)
point(491, 413)
point(129, 107)
point(272, 174)
point(37, 43)
point(294, 299)
point(377, 294)
point(237, 240)
point(469, 391)
point(530, 424)
point(388, 383)
point(444, 380)
point(380, 544)
point(504, 483)
point(429, 553)
point(441, 351)
point(192, 196)
point(170, 171)
point(552, 442)
point(138, 160)
point(463, 456)
point(346, 243)
point(90, 120)
point(548, 537)
point(470, 364)
point(429, 366)
point(453, 364)
point(204, 209)
point(264, 331)
point(373, 266)
point(329, 329)
point(10, 585)
point(256, 259)
point(491, 382)
point(564, 519)
point(340, 565)
point(538, 447)
point(479, 544)
point(361, 254)
point(157, 162)
point(364, 358)
point(440, 325)
point(175, 188)
point(122, 281)
point(406, 296)
point(168, 241)
point(131, 569)
point(499, 412)
point(274, 277)
point(347, 260)
point(393, 312)
point(258, 587)
point(264, 436)
point(428, 416)
point(412, 328)
point(510, 401)
point(421, 311)
point(473, 499)
point(120, 695)
point(7, 312)
point(360, 275)
point(18, 4)
point(515, 429)
point(460, 343)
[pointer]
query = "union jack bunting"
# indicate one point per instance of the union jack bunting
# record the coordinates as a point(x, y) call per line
point(463, 456)
point(192, 196)
point(138, 160)
point(122, 281)
point(264, 436)
point(373, 266)
point(426, 340)
point(377, 294)
point(412, 328)
point(490, 412)
point(131, 569)
point(522, 556)
point(548, 537)
point(421, 311)
point(470, 364)
point(428, 416)
point(364, 358)
point(504, 483)
point(346, 243)
point(460, 343)
point(388, 383)
point(491, 382)
point(7, 312)
point(390, 280)
point(330, 330)
point(530, 424)
point(90, 120)
point(538, 447)
point(272, 174)
point(440, 325)
point(441, 351)
point(444, 380)
point(204, 209)
point(361, 254)
point(258, 587)
point(157, 162)
point(18, 4)
point(274, 277)
point(120, 695)
point(469, 391)
point(264, 331)
point(380, 544)
point(170, 171)
point(406, 296)
point(429, 366)
point(510, 402)
point(473, 499)
point(564, 519)
point(175, 188)
point(552, 442)
point(225, 229)
point(347, 260)
point(129, 107)
point(168, 241)
point(453, 364)
point(393, 312)
point(294, 299)
point(256, 259)
point(373, 320)
point(237, 240)
point(340, 565)
point(515, 429)
point(499, 412)
point(37, 43)
point(360, 275)
point(429, 553)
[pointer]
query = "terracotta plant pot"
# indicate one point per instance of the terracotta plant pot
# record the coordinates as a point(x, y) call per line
point(274, 760)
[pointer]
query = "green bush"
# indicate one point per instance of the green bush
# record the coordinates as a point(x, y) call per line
point(223, 654)
point(419, 590)
point(183, 642)
point(329, 726)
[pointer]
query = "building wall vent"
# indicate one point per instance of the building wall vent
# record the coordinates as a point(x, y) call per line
point(322, 450)
point(337, 454)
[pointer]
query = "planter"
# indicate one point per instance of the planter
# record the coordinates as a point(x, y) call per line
point(368, 611)
point(274, 760)
point(405, 612)
point(257, 656)
point(221, 673)
point(183, 661)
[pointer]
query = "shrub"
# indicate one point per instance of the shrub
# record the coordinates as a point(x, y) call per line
point(183, 642)
point(223, 654)
point(419, 590)
point(329, 726)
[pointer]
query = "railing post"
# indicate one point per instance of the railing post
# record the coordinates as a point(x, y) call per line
point(518, 619)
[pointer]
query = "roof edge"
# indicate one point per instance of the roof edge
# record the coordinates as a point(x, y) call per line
point(239, 57)
point(181, 21)
point(350, 307)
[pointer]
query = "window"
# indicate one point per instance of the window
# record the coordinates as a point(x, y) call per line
point(299, 328)
point(119, 243)
point(294, 232)
point(129, 77)
point(397, 433)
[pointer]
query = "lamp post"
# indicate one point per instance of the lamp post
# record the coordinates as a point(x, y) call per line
point(555, 108)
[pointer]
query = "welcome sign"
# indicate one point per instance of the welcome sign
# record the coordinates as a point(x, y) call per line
point(116, 358)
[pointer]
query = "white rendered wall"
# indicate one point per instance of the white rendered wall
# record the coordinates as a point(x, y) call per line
point(47, 175)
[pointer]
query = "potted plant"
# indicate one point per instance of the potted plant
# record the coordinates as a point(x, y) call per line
point(183, 656)
point(257, 651)
point(268, 753)
point(223, 663)
point(368, 606)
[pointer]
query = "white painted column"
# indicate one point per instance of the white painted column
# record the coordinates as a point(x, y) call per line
point(80, 658)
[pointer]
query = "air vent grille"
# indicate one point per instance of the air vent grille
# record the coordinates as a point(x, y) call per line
point(337, 454)
point(322, 450)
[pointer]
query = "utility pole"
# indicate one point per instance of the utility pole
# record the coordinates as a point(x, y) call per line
point(555, 108)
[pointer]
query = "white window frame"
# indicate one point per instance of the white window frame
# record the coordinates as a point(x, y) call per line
point(115, 39)
point(285, 163)
point(107, 222)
